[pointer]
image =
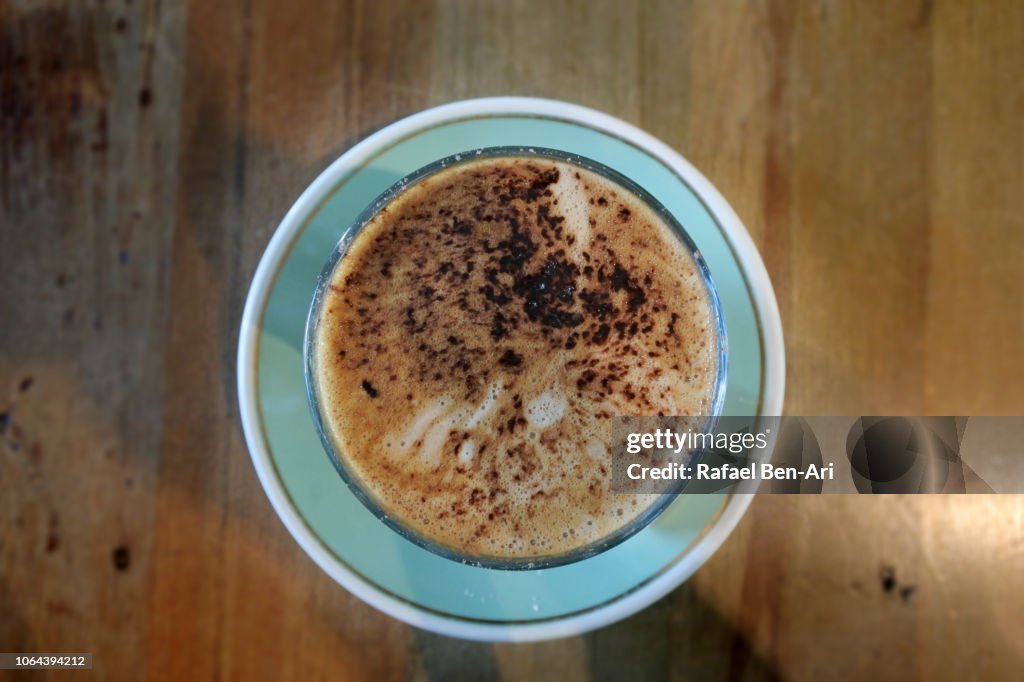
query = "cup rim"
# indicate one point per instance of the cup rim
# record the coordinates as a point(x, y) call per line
point(313, 318)
point(265, 279)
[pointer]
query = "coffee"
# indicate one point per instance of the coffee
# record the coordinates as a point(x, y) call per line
point(479, 333)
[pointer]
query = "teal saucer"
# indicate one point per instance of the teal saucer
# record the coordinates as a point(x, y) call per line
point(339, 533)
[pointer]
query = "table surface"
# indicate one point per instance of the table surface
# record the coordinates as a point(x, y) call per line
point(874, 150)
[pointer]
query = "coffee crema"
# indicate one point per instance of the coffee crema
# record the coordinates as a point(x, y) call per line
point(480, 332)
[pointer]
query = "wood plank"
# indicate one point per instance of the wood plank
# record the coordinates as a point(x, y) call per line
point(975, 328)
point(86, 204)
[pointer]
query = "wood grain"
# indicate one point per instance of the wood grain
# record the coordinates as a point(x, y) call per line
point(148, 148)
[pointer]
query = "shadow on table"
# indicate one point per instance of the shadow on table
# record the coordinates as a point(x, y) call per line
point(680, 637)
point(15, 634)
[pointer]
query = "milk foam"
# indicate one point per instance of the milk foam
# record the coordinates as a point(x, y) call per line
point(500, 313)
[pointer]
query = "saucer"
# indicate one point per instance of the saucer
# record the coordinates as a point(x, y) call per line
point(339, 533)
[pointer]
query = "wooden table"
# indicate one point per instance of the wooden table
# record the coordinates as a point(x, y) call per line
point(148, 149)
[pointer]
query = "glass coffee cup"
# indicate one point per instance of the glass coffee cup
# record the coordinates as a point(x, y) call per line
point(553, 295)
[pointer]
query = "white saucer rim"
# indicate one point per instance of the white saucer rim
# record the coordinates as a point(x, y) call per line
point(766, 309)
